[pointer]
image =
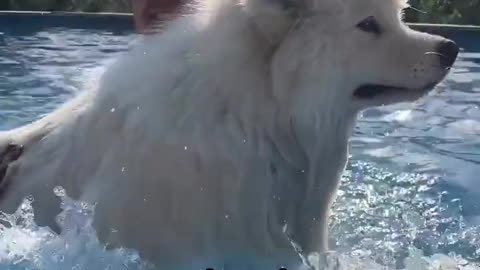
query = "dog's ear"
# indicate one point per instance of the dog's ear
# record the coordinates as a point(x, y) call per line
point(275, 18)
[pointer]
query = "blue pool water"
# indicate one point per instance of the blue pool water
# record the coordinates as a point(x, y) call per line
point(410, 197)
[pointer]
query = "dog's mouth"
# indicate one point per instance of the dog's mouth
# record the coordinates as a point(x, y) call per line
point(369, 91)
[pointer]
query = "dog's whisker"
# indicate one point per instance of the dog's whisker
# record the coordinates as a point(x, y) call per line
point(435, 53)
point(417, 10)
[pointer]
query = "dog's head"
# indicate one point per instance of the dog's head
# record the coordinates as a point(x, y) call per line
point(352, 53)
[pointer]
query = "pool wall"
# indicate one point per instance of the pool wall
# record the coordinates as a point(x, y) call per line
point(36, 21)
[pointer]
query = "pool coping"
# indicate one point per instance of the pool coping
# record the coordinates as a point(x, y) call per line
point(426, 26)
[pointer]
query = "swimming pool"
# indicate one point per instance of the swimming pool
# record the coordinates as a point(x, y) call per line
point(410, 186)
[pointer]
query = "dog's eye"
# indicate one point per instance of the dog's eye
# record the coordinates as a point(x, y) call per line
point(370, 25)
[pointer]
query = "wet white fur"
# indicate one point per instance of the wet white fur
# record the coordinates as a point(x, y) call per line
point(210, 137)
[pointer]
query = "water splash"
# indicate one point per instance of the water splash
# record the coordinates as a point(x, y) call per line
point(380, 221)
point(396, 219)
point(26, 246)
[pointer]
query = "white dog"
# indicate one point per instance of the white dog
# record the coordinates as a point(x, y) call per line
point(226, 134)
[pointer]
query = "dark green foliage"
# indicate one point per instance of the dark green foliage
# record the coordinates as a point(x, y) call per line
point(445, 11)
point(4, 5)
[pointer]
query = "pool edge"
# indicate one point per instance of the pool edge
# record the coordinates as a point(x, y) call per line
point(428, 27)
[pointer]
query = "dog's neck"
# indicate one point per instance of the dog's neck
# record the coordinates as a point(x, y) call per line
point(307, 145)
point(315, 150)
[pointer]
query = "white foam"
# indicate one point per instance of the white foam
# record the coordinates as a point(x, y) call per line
point(25, 246)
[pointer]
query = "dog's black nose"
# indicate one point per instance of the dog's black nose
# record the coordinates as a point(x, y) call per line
point(448, 51)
